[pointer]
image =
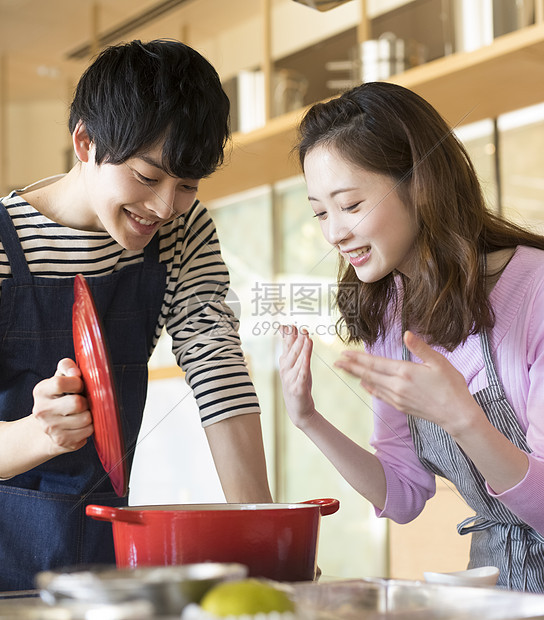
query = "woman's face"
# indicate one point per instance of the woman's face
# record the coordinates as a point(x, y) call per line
point(361, 214)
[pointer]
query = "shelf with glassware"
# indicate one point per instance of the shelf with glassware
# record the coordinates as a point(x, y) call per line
point(465, 87)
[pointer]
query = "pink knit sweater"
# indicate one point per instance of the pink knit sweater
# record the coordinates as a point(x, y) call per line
point(517, 344)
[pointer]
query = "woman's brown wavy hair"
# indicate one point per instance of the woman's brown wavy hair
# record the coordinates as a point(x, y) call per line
point(390, 130)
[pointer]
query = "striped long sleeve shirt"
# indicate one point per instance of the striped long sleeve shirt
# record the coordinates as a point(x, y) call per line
point(204, 330)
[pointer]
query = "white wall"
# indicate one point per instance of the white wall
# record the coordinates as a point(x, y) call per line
point(173, 463)
point(37, 139)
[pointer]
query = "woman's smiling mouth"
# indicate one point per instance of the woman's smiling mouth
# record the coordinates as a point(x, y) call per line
point(358, 252)
point(358, 256)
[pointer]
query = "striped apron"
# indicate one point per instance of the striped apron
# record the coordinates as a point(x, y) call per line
point(499, 537)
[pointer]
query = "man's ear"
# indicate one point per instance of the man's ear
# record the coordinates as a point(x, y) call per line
point(81, 142)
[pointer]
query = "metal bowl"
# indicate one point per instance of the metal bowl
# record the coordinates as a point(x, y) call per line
point(168, 588)
point(384, 599)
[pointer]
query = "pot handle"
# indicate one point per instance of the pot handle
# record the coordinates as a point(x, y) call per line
point(327, 506)
point(108, 513)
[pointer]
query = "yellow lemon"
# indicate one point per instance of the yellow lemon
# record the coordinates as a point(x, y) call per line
point(247, 596)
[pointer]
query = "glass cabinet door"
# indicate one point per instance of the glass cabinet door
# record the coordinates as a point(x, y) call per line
point(283, 272)
point(521, 136)
point(353, 541)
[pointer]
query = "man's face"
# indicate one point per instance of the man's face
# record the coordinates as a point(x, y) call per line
point(132, 200)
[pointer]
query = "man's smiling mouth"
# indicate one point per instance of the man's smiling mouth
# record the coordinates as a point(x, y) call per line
point(140, 220)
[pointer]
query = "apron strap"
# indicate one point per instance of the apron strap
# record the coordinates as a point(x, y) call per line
point(490, 369)
point(12, 246)
point(491, 372)
point(151, 250)
point(516, 542)
point(474, 523)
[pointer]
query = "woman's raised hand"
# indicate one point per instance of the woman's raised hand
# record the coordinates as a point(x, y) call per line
point(295, 374)
point(433, 390)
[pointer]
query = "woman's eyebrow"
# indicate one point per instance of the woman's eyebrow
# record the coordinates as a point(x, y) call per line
point(340, 190)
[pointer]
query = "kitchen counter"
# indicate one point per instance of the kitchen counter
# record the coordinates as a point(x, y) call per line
point(28, 605)
point(331, 599)
point(380, 599)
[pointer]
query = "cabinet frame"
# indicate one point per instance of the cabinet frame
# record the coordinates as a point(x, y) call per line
point(465, 87)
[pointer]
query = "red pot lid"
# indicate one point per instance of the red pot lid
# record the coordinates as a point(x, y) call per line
point(94, 362)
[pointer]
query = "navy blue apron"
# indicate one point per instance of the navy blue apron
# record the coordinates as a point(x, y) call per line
point(499, 537)
point(42, 512)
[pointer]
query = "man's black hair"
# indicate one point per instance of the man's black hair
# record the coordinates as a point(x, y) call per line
point(135, 95)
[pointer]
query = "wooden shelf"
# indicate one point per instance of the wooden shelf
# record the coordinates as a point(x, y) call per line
point(260, 157)
point(498, 78)
point(464, 87)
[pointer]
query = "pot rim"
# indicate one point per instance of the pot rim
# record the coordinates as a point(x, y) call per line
point(325, 505)
point(216, 507)
point(140, 514)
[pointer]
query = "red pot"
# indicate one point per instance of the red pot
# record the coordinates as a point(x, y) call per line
point(277, 541)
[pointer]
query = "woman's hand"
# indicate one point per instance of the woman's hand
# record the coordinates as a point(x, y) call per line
point(433, 390)
point(295, 374)
point(60, 409)
point(360, 468)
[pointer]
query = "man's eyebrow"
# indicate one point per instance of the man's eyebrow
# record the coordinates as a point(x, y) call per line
point(151, 161)
point(159, 165)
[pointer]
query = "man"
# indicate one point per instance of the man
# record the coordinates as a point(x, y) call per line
point(148, 122)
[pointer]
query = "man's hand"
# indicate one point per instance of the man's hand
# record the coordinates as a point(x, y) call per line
point(61, 409)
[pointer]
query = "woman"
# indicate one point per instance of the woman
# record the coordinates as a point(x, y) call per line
point(447, 299)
